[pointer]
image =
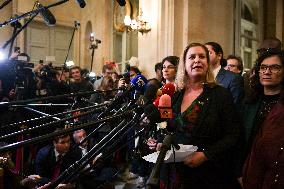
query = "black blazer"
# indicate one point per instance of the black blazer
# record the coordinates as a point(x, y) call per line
point(233, 82)
point(45, 162)
point(218, 126)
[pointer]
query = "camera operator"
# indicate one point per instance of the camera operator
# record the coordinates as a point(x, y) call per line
point(48, 81)
point(17, 78)
point(77, 82)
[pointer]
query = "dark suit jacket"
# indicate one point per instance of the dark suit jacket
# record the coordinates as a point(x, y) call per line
point(233, 82)
point(45, 162)
point(216, 133)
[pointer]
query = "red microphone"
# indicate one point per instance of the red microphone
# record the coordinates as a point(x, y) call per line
point(165, 106)
point(169, 89)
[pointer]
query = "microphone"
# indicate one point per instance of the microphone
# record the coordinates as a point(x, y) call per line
point(169, 89)
point(139, 83)
point(165, 104)
point(121, 2)
point(81, 3)
point(151, 92)
point(47, 16)
point(16, 24)
point(152, 113)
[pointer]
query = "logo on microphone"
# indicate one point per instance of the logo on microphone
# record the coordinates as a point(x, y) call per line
point(140, 82)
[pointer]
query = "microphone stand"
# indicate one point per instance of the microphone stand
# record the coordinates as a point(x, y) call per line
point(28, 130)
point(52, 97)
point(93, 132)
point(5, 3)
point(80, 164)
point(153, 181)
point(76, 25)
point(54, 115)
point(15, 26)
point(16, 33)
point(42, 113)
point(63, 132)
point(33, 14)
point(94, 45)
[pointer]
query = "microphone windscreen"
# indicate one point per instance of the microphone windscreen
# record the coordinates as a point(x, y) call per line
point(169, 89)
point(81, 3)
point(151, 92)
point(139, 83)
point(47, 16)
point(165, 101)
point(152, 113)
point(156, 101)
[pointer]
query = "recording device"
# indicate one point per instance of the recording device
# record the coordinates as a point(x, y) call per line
point(18, 75)
point(47, 73)
point(94, 41)
point(76, 24)
point(47, 16)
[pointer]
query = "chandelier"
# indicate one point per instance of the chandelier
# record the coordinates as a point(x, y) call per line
point(140, 24)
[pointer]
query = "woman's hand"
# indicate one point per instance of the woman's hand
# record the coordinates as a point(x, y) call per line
point(195, 159)
point(152, 143)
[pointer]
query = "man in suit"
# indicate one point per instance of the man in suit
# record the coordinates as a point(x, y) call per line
point(227, 79)
point(52, 160)
point(235, 64)
point(106, 71)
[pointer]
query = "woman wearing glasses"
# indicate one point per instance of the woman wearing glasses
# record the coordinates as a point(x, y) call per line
point(264, 124)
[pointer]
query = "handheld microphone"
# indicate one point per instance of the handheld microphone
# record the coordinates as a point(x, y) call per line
point(151, 92)
point(139, 83)
point(169, 89)
point(81, 3)
point(165, 104)
point(47, 16)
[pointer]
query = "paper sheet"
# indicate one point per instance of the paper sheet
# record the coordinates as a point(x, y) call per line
point(179, 156)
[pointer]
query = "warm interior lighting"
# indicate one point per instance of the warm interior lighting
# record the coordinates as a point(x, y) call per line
point(70, 63)
point(140, 24)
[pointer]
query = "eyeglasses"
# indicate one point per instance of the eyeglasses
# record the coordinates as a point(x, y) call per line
point(275, 68)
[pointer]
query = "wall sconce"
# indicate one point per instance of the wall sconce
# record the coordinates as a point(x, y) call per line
point(140, 24)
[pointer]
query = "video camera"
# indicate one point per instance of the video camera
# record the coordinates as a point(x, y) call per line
point(47, 73)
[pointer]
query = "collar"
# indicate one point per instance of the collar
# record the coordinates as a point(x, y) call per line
point(57, 154)
point(216, 70)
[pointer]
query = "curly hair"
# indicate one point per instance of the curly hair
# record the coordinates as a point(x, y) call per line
point(254, 82)
point(182, 77)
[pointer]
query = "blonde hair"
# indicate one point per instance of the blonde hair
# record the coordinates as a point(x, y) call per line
point(182, 77)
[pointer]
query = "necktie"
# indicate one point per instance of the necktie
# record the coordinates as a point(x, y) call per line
point(56, 171)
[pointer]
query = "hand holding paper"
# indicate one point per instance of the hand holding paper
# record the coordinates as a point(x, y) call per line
point(179, 156)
